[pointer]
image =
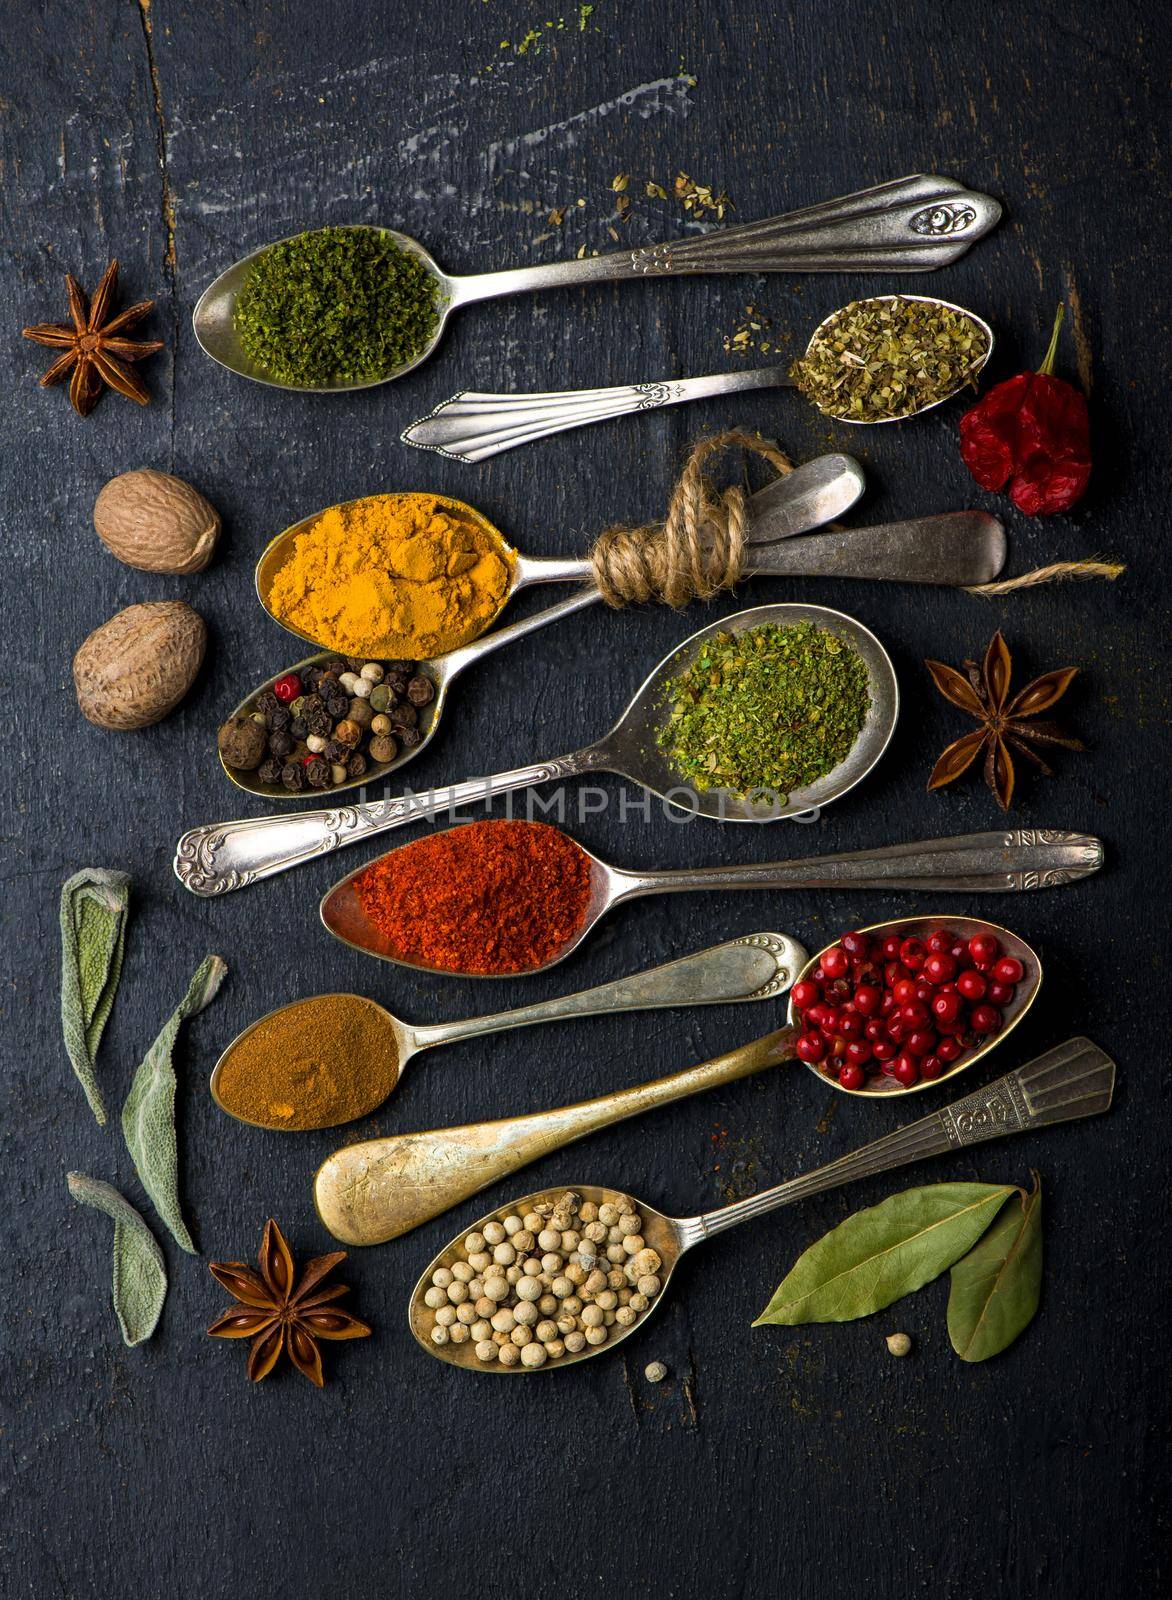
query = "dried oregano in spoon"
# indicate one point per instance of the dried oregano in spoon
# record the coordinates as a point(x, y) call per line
point(881, 359)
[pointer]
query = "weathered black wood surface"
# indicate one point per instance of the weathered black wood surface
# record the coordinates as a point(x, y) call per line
point(177, 135)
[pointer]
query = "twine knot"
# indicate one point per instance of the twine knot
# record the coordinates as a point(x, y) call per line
point(699, 547)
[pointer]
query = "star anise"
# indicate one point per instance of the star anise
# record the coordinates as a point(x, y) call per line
point(1006, 724)
point(279, 1311)
point(95, 349)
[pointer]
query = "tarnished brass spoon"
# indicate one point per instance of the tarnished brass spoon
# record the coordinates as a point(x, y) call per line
point(759, 966)
point(1074, 1080)
point(373, 1191)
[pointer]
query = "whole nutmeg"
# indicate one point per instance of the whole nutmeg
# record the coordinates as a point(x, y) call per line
point(137, 667)
point(243, 743)
point(156, 522)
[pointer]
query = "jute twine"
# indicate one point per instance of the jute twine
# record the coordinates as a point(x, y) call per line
point(699, 547)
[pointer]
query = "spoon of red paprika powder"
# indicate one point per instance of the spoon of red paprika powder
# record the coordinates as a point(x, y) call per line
point(333, 1058)
point(499, 898)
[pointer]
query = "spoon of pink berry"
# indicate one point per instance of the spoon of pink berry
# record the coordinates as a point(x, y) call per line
point(378, 1189)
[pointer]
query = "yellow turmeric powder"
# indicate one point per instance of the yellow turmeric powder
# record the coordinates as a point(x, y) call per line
point(392, 575)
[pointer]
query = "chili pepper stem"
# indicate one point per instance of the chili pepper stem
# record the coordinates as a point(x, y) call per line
point(1047, 367)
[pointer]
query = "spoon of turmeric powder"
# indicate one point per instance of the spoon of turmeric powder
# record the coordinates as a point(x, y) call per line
point(330, 1059)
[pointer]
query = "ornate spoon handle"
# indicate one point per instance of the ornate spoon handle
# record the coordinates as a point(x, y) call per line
point(1075, 1079)
point(913, 224)
point(472, 426)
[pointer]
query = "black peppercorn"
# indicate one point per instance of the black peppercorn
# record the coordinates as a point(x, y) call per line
point(297, 728)
point(420, 690)
point(403, 716)
point(408, 737)
point(338, 705)
point(317, 773)
point(319, 721)
point(356, 766)
point(281, 743)
point(327, 684)
point(269, 771)
point(310, 679)
point(355, 663)
point(405, 667)
point(335, 665)
point(397, 681)
point(293, 776)
point(278, 719)
point(266, 702)
point(335, 750)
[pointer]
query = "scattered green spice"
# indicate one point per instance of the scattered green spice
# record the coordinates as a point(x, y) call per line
point(336, 306)
point(880, 359)
point(773, 708)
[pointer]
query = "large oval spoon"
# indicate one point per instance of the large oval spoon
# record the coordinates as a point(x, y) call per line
point(230, 854)
point(974, 863)
point(1074, 1080)
point(809, 497)
point(759, 966)
point(472, 426)
point(374, 1191)
point(911, 225)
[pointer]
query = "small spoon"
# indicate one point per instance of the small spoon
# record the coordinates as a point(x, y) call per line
point(374, 1191)
point(911, 225)
point(227, 855)
point(1074, 1080)
point(759, 966)
point(472, 426)
point(974, 863)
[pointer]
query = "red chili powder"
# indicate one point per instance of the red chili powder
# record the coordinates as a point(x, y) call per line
point(488, 897)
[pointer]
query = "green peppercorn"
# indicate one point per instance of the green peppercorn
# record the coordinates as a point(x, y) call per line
point(380, 697)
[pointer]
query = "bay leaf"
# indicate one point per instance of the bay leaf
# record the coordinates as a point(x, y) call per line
point(148, 1117)
point(996, 1287)
point(93, 913)
point(140, 1273)
point(878, 1255)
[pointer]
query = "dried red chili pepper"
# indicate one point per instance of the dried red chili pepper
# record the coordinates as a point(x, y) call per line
point(1032, 432)
point(488, 897)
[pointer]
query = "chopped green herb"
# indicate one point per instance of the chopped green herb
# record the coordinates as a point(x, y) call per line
point(880, 359)
point(773, 708)
point(336, 306)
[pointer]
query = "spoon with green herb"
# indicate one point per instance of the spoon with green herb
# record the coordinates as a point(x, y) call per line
point(883, 359)
point(348, 307)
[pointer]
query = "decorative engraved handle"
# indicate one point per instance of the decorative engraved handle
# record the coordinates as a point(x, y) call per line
point(1076, 1079)
point(759, 966)
point(914, 224)
point(222, 856)
point(370, 1192)
point(472, 426)
point(975, 863)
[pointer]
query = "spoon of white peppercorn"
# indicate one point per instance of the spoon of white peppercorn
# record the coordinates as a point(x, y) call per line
point(1073, 1080)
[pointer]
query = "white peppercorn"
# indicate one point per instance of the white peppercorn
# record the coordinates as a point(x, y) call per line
point(533, 1355)
point(481, 1330)
point(655, 1372)
point(532, 1267)
point(899, 1344)
point(485, 1350)
point(473, 1244)
point(595, 1232)
point(496, 1288)
point(561, 1287)
point(533, 1221)
point(649, 1285)
point(615, 1278)
point(575, 1341)
point(494, 1233)
point(608, 1214)
point(372, 672)
point(596, 1335)
point(555, 1348)
point(546, 1331)
point(566, 1323)
point(615, 1253)
point(570, 1240)
point(526, 1314)
point(639, 1302)
point(445, 1316)
point(513, 1274)
point(513, 1224)
point(484, 1306)
point(441, 1277)
point(633, 1243)
point(504, 1320)
point(434, 1298)
point(509, 1355)
point(607, 1299)
point(626, 1316)
point(457, 1292)
point(548, 1304)
point(466, 1314)
point(528, 1289)
point(592, 1316)
point(462, 1272)
point(550, 1239)
point(524, 1240)
point(439, 1334)
point(503, 1254)
point(587, 1211)
point(521, 1336)
point(572, 1304)
point(458, 1333)
point(629, 1223)
point(551, 1262)
point(480, 1260)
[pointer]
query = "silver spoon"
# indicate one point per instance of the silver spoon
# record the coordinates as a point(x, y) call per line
point(231, 854)
point(911, 225)
point(759, 966)
point(1074, 1080)
point(812, 495)
point(472, 426)
point(973, 863)
point(378, 1189)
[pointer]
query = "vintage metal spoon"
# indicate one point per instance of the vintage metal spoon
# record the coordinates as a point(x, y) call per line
point(913, 224)
point(974, 863)
point(1074, 1080)
point(759, 966)
point(809, 497)
point(380, 1188)
point(472, 426)
point(228, 855)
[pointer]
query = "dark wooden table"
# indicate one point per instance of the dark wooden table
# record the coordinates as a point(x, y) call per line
point(176, 136)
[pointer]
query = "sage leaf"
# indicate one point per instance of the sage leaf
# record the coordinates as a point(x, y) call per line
point(94, 904)
point(148, 1117)
point(996, 1287)
point(140, 1273)
point(880, 1254)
